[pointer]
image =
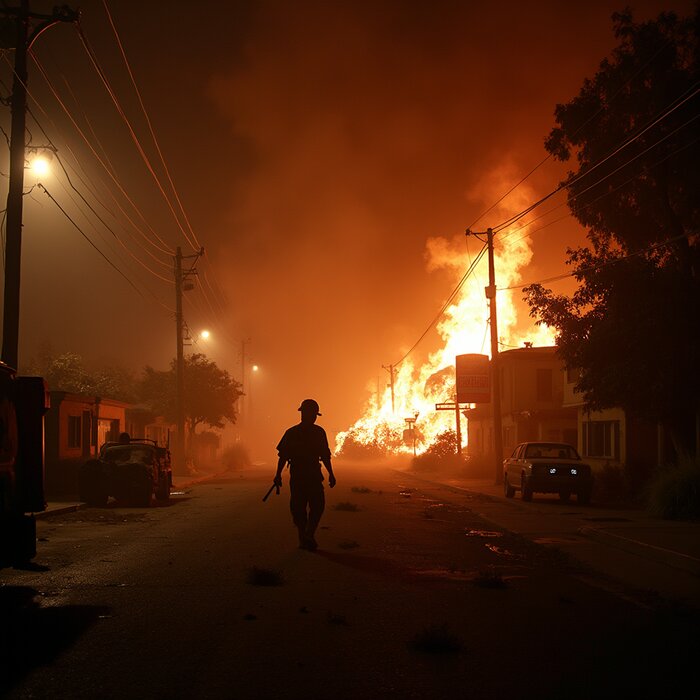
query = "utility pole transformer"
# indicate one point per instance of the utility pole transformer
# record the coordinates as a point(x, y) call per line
point(25, 35)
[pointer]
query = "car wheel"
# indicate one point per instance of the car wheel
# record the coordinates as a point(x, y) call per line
point(525, 490)
point(163, 492)
point(142, 495)
point(564, 496)
point(508, 490)
point(583, 497)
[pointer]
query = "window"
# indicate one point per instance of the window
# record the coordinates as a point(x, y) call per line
point(544, 384)
point(74, 431)
point(601, 438)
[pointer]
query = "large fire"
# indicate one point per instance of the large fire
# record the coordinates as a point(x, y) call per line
point(463, 328)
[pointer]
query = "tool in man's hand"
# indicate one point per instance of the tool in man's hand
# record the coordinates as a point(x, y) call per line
point(277, 491)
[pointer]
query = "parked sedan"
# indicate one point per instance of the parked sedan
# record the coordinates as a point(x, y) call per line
point(547, 467)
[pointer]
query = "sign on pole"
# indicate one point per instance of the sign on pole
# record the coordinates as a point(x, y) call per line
point(473, 378)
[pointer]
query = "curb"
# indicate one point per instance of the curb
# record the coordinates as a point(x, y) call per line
point(676, 560)
point(59, 510)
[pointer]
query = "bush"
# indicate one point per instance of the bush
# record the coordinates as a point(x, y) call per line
point(610, 485)
point(235, 457)
point(675, 492)
point(352, 448)
point(441, 454)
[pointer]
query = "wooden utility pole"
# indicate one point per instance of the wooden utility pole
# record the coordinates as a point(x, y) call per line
point(179, 368)
point(391, 369)
point(181, 285)
point(495, 367)
point(25, 34)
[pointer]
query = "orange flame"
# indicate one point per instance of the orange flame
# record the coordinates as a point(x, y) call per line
point(463, 328)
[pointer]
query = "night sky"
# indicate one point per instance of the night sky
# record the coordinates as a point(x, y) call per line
point(315, 148)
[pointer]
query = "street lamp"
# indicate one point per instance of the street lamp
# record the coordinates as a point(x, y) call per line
point(204, 335)
point(40, 166)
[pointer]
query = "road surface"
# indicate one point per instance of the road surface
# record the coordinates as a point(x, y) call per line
point(412, 594)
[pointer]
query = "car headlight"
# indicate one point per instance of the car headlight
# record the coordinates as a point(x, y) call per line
point(574, 471)
point(552, 470)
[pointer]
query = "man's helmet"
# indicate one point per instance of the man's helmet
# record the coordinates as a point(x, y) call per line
point(309, 406)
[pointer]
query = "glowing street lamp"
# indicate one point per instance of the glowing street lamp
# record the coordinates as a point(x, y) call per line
point(204, 335)
point(40, 166)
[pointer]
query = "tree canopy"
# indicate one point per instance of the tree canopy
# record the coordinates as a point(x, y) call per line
point(632, 327)
point(210, 393)
point(67, 372)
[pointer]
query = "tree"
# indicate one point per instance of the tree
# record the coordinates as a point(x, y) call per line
point(67, 372)
point(210, 393)
point(632, 327)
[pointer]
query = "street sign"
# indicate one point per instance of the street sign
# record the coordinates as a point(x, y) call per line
point(473, 378)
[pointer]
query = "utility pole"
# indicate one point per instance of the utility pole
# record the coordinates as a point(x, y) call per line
point(182, 284)
point(244, 412)
point(391, 369)
point(495, 373)
point(25, 35)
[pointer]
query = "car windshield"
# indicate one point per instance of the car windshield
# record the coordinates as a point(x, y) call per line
point(545, 450)
point(129, 453)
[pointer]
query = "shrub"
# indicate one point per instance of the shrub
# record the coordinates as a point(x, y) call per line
point(441, 454)
point(675, 492)
point(610, 485)
point(354, 449)
point(235, 457)
point(258, 576)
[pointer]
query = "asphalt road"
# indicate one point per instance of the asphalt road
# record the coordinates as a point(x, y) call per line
point(412, 594)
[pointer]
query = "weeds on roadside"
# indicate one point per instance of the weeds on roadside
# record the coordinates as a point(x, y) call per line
point(258, 576)
point(489, 578)
point(337, 620)
point(348, 544)
point(436, 639)
point(361, 489)
point(347, 506)
point(675, 492)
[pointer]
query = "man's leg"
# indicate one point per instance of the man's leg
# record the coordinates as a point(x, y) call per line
point(297, 505)
point(317, 504)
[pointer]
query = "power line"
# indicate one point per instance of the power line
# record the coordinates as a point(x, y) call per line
point(593, 201)
point(567, 184)
point(120, 110)
point(452, 295)
point(150, 126)
point(600, 110)
point(87, 238)
point(98, 216)
point(642, 251)
point(100, 160)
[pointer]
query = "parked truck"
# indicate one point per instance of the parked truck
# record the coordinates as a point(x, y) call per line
point(23, 404)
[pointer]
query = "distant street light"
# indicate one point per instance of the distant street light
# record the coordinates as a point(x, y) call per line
point(204, 335)
point(255, 368)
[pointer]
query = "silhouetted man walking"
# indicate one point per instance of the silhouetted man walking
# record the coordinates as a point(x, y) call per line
point(304, 446)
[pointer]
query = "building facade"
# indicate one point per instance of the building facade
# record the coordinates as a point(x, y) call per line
point(75, 427)
point(532, 404)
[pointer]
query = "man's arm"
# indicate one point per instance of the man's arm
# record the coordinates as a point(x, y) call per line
point(277, 481)
point(329, 468)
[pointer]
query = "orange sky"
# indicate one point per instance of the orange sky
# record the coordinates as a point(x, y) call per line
point(316, 147)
